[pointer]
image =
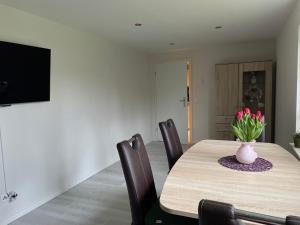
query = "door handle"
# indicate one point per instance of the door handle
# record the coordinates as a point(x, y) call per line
point(183, 100)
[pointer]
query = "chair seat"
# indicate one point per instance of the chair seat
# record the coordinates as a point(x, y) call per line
point(157, 216)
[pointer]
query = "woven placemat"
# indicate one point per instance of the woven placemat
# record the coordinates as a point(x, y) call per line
point(259, 165)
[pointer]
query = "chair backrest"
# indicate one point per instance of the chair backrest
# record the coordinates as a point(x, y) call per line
point(216, 213)
point(138, 176)
point(171, 140)
point(292, 220)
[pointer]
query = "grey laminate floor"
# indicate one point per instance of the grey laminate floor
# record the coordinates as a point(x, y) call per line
point(101, 199)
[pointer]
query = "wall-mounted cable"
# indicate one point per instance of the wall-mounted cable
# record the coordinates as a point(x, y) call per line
point(10, 196)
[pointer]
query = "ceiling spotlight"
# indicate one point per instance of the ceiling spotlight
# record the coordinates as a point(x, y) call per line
point(138, 24)
point(171, 43)
point(218, 27)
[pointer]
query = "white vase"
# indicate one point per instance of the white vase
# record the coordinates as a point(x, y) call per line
point(246, 153)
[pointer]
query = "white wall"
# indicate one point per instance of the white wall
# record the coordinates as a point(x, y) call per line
point(287, 68)
point(100, 94)
point(203, 77)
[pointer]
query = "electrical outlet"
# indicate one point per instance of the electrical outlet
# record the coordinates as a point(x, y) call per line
point(11, 196)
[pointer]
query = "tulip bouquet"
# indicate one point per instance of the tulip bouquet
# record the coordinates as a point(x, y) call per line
point(248, 126)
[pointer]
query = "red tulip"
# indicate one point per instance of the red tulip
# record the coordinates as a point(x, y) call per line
point(253, 116)
point(239, 115)
point(258, 113)
point(247, 110)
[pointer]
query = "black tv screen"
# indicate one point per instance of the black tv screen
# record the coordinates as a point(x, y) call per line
point(24, 73)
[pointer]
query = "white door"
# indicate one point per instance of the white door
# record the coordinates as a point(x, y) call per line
point(171, 96)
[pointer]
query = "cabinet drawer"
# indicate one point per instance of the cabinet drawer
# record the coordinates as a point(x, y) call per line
point(223, 127)
point(224, 119)
point(224, 135)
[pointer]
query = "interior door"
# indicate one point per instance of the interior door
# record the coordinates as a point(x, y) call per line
point(171, 96)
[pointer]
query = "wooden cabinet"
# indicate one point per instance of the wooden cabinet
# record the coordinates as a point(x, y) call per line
point(239, 85)
point(227, 85)
point(227, 89)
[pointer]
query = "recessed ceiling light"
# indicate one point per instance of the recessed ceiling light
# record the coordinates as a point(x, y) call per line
point(138, 24)
point(171, 43)
point(218, 27)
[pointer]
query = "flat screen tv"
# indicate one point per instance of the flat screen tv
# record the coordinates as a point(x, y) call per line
point(24, 73)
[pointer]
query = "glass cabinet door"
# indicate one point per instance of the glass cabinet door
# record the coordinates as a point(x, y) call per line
point(256, 91)
point(253, 94)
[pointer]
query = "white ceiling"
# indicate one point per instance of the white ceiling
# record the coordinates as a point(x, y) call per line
point(187, 23)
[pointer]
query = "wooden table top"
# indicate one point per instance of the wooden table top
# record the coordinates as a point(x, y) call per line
point(198, 175)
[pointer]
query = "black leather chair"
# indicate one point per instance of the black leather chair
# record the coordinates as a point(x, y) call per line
point(171, 140)
point(292, 220)
point(145, 209)
point(218, 213)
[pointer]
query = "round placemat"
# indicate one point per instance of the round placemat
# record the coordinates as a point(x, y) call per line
point(259, 165)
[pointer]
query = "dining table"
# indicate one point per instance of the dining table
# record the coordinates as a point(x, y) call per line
point(198, 175)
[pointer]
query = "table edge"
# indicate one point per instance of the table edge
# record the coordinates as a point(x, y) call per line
point(178, 213)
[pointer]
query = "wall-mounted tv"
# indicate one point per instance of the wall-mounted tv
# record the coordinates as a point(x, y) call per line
point(24, 73)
